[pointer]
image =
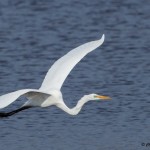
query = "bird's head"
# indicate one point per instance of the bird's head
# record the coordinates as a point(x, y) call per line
point(97, 97)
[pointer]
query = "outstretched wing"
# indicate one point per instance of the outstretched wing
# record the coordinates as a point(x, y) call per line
point(57, 74)
point(7, 99)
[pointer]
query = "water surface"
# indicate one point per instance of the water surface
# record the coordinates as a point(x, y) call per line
point(34, 34)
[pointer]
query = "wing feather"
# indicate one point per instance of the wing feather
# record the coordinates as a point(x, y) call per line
point(7, 99)
point(57, 74)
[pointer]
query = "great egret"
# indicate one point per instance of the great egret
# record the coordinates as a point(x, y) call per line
point(49, 93)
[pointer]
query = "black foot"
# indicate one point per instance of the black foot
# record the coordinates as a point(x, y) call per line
point(2, 115)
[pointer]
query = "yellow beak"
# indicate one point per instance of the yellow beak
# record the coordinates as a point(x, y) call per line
point(103, 97)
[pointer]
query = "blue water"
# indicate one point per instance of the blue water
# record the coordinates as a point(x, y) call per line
point(34, 34)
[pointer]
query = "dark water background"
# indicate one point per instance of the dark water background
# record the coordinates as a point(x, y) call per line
point(34, 33)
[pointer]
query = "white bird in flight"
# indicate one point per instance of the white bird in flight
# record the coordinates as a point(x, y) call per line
point(50, 91)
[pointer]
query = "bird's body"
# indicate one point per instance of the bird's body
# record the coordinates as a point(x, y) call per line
point(50, 91)
point(42, 99)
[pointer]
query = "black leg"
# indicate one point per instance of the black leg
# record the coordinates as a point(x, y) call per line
point(7, 114)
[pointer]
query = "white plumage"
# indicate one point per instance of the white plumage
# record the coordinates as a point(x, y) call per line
point(49, 93)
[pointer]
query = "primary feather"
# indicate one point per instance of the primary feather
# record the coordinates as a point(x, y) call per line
point(57, 74)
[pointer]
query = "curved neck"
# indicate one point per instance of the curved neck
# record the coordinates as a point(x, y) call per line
point(75, 110)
